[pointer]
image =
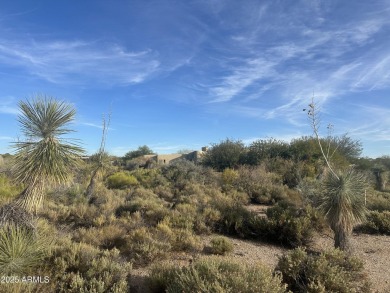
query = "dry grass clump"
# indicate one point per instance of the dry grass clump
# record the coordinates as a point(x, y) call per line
point(105, 237)
point(8, 190)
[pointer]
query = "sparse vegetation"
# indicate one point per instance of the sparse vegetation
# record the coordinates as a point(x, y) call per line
point(271, 192)
point(215, 275)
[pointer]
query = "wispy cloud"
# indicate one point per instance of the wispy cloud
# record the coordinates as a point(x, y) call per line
point(76, 62)
point(324, 59)
point(374, 123)
point(6, 138)
point(95, 125)
point(7, 106)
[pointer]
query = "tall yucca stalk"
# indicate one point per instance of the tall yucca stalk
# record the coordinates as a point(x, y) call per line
point(342, 203)
point(44, 158)
point(342, 191)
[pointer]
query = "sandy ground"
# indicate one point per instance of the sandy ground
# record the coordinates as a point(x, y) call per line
point(372, 249)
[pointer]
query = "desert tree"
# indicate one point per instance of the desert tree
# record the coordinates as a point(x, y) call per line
point(342, 198)
point(226, 154)
point(44, 157)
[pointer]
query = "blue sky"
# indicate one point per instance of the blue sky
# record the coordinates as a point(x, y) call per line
point(184, 74)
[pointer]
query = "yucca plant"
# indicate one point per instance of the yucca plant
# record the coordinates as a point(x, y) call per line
point(45, 157)
point(342, 203)
point(21, 250)
point(342, 199)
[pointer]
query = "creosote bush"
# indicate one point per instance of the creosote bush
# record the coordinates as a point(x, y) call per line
point(214, 274)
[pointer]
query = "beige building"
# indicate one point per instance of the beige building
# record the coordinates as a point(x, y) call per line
point(164, 159)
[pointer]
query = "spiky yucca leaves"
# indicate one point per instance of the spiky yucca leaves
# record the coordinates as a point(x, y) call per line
point(342, 203)
point(21, 250)
point(45, 157)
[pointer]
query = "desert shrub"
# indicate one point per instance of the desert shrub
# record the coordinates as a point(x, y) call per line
point(234, 220)
point(149, 178)
point(376, 223)
point(79, 267)
point(288, 225)
point(143, 247)
point(81, 215)
point(269, 194)
point(291, 172)
point(378, 201)
point(152, 208)
point(206, 220)
point(21, 250)
point(261, 186)
point(186, 240)
point(121, 180)
point(310, 189)
point(184, 172)
point(232, 217)
point(330, 271)
point(183, 216)
point(215, 275)
point(164, 192)
point(8, 190)
point(106, 237)
point(221, 245)
point(229, 178)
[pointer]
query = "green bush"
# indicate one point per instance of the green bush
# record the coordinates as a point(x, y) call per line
point(79, 267)
point(215, 275)
point(221, 245)
point(226, 154)
point(149, 178)
point(376, 223)
point(143, 247)
point(185, 240)
point(234, 219)
point(378, 201)
point(121, 180)
point(152, 208)
point(330, 271)
point(288, 225)
point(261, 186)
